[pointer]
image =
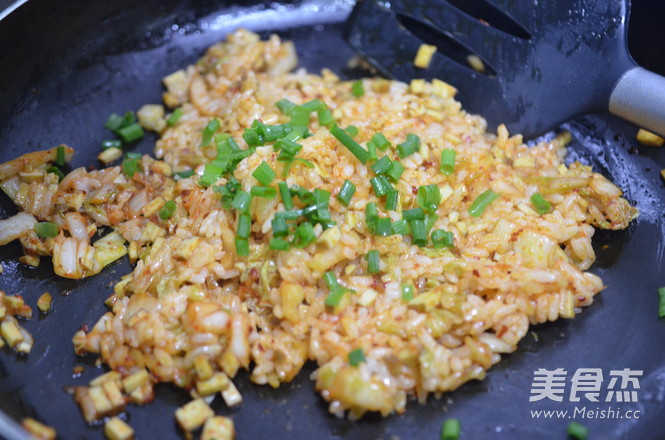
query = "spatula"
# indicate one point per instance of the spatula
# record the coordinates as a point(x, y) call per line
point(543, 61)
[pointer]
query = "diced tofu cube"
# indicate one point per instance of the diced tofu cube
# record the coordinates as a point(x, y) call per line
point(116, 429)
point(215, 384)
point(231, 395)
point(218, 428)
point(193, 415)
point(38, 430)
point(134, 381)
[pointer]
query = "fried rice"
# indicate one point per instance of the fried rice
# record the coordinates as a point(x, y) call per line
point(193, 308)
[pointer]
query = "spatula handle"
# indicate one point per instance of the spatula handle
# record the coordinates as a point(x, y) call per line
point(639, 97)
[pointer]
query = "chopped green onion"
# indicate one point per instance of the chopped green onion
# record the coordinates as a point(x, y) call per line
point(371, 213)
point(277, 244)
point(371, 149)
point(441, 239)
point(55, 170)
point(184, 174)
point(111, 143)
point(244, 226)
point(383, 227)
point(381, 142)
point(578, 431)
point(321, 196)
point(356, 357)
point(391, 199)
point(447, 165)
point(401, 227)
point(395, 172)
point(380, 185)
point(211, 174)
point(305, 162)
point(252, 137)
point(315, 105)
point(130, 166)
point(242, 246)
point(288, 215)
point(305, 196)
point(661, 302)
point(300, 118)
point(264, 174)
point(346, 192)
point(373, 261)
point(60, 156)
point(241, 201)
point(482, 202)
point(46, 229)
point(407, 292)
point(167, 210)
point(382, 165)
point(285, 193)
point(130, 133)
point(267, 192)
point(209, 131)
point(279, 227)
point(336, 291)
point(175, 116)
point(133, 155)
point(304, 235)
point(352, 130)
point(288, 148)
point(413, 214)
point(350, 144)
point(357, 88)
point(451, 429)
point(429, 197)
point(419, 232)
point(285, 106)
point(542, 206)
point(273, 132)
point(114, 122)
point(409, 146)
point(325, 117)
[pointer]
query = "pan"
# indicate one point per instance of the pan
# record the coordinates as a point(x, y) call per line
point(65, 66)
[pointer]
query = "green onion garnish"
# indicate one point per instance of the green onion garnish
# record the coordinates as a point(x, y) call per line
point(133, 155)
point(60, 156)
point(383, 227)
point(55, 170)
point(46, 229)
point(252, 137)
point(357, 88)
point(441, 239)
point(373, 261)
point(661, 302)
point(371, 149)
point(315, 105)
point(289, 215)
point(130, 166)
point(277, 244)
point(209, 131)
point(321, 196)
point(482, 202)
point(267, 192)
point(300, 118)
point(542, 206)
point(382, 165)
point(401, 227)
point(184, 174)
point(285, 193)
point(447, 166)
point(325, 117)
point(381, 142)
point(356, 357)
point(211, 174)
point(407, 292)
point(352, 130)
point(371, 213)
point(242, 246)
point(244, 226)
point(451, 429)
point(419, 232)
point(391, 199)
point(336, 291)
point(429, 197)
point(578, 431)
point(114, 122)
point(361, 154)
point(413, 214)
point(111, 143)
point(167, 210)
point(409, 146)
point(395, 172)
point(380, 185)
point(130, 133)
point(285, 106)
point(305, 196)
point(241, 201)
point(175, 116)
point(264, 174)
point(304, 235)
point(346, 192)
point(279, 227)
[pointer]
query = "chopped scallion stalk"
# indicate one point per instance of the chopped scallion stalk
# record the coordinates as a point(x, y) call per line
point(285, 193)
point(409, 146)
point(111, 143)
point(279, 227)
point(242, 246)
point(382, 165)
point(133, 155)
point(419, 232)
point(46, 229)
point(264, 174)
point(401, 227)
point(661, 302)
point(130, 166)
point(381, 142)
point(209, 131)
point(451, 429)
point(211, 174)
point(60, 156)
point(578, 431)
point(447, 165)
point(352, 130)
point(373, 261)
point(413, 214)
point(175, 116)
point(167, 210)
point(371, 149)
point(371, 213)
point(315, 105)
point(131, 133)
point(325, 117)
point(482, 202)
point(391, 199)
point(380, 185)
point(383, 227)
point(241, 201)
point(300, 118)
point(395, 172)
point(407, 292)
point(441, 239)
point(252, 137)
point(277, 244)
point(346, 192)
point(289, 215)
point(356, 357)
point(359, 152)
point(304, 235)
point(184, 174)
point(357, 88)
point(267, 192)
point(285, 106)
point(244, 226)
point(55, 170)
point(429, 197)
point(542, 206)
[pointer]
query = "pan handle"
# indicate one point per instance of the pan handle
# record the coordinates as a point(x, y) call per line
point(639, 97)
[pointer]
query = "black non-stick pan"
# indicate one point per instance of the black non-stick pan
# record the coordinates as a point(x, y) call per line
point(65, 66)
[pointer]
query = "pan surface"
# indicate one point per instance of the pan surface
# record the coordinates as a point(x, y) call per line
point(65, 66)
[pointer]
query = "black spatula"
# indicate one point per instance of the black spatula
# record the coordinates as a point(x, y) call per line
point(544, 61)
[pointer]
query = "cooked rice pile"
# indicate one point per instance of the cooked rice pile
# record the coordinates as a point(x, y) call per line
point(192, 307)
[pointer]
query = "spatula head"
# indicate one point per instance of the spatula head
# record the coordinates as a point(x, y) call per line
point(545, 61)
